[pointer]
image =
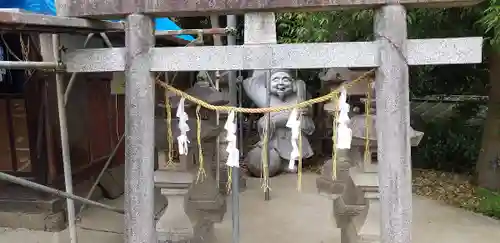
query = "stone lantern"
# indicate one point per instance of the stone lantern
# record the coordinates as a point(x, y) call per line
point(193, 206)
point(355, 191)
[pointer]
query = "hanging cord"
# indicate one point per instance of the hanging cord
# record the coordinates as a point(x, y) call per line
point(336, 112)
point(229, 179)
point(299, 164)
point(25, 51)
point(201, 168)
point(265, 169)
point(366, 156)
point(168, 110)
point(170, 137)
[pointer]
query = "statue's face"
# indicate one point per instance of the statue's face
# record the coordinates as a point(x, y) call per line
point(281, 84)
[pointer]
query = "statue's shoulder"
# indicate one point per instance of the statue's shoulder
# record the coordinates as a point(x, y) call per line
point(255, 81)
point(300, 81)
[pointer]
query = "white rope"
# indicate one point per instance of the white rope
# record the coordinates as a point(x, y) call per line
point(294, 124)
point(344, 133)
point(182, 139)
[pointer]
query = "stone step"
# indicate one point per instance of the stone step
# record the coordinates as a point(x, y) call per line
point(372, 195)
point(172, 179)
point(370, 231)
point(369, 239)
point(340, 208)
point(366, 181)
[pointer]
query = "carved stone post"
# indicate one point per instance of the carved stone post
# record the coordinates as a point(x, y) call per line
point(349, 205)
point(356, 189)
point(365, 174)
point(183, 219)
point(205, 195)
point(365, 177)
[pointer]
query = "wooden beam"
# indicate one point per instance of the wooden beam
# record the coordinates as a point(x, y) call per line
point(17, 20)
point(393, 126)
point(293, 56)
point(189, 8)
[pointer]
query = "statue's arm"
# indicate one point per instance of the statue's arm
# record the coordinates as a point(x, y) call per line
point(255, 88)
point(307, 125)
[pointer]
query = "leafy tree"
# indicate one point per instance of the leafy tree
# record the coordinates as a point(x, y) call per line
point(452, 79)
point(488, 163)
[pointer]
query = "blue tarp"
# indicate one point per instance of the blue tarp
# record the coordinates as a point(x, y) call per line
point(48, 7)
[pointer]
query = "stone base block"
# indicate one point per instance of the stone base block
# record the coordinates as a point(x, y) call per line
point(21, 207)
point(203, 233)
point(224, 179)
point(113, 182)
point(52, 222)
point(214, 210)
point(328, 187)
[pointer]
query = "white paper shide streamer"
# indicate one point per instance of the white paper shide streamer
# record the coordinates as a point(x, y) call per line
point(233, 158)
point(294, 124)
point(344, 133)
point(182, 139)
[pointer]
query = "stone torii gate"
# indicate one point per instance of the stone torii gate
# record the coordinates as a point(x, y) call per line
point(390, 53)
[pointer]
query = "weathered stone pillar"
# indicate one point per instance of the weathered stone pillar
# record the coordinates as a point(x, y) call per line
point(205, 195)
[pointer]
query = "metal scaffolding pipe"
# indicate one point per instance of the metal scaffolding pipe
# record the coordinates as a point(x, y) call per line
point(267, 193)
point(63, 125)
point(39, 187)
point(29, 65)
point(212, 31)
point(214, 21)
point(103, 170)
point(235, 182)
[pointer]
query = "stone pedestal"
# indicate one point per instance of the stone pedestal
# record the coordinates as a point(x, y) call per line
point(355, 191)
point(349, 205)
point(367, 182)
point(325, 184)
point(178, 223)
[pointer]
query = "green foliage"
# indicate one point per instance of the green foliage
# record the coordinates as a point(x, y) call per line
point(489, 204)
point(490, 21)
point(469, 79)
point(449, 144)
point(324, 26)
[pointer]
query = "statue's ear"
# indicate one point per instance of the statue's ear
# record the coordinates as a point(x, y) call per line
point(295, 87)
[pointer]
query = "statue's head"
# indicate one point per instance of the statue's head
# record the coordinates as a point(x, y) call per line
point(282, 83)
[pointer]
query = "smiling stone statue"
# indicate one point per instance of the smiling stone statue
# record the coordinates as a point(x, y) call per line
point(284, 91)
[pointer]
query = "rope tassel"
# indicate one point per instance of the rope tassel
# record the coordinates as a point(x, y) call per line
point(182, 139)
point(168, 110)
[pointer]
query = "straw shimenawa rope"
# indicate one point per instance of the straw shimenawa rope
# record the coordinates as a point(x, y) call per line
point(170, 137)
point(303, 104)
point(333, 95)
point(201, 169)
point(334, 136)
point(368, 101)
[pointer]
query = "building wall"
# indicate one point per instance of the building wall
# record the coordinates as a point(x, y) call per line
point(93, 115)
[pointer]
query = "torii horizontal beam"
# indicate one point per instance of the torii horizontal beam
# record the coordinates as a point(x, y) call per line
point(292, 56)
point(18, 20)
point(167, 8)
